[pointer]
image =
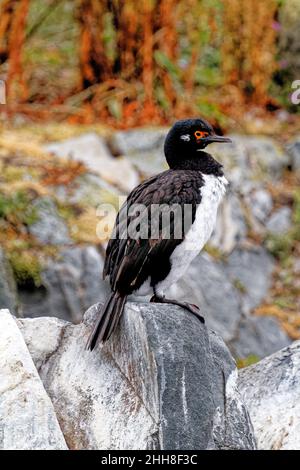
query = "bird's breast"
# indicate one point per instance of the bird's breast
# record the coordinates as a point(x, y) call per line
point(212, 192)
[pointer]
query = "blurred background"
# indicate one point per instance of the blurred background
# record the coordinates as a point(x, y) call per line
point(91, 88)
point(87, 61)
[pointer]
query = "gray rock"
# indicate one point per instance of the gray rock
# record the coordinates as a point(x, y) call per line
point(293, 149)
point(93, 152)
point(27, 417)
point(138, 140)
point(260, 203)
point(280, 221)
point(143, 147)
point(249, 158)
point(91, 190)
point(50, 228)
point(87, 189)
point(207, 284)
point(258, 336)
point(271, 390)
point(70, 284)
point(8, 289)
point(251, 272)
point(226, 293)
point(161, 383)
point(231, 227)
point(296, 267)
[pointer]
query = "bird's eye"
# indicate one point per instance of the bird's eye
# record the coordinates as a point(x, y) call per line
point(200, 134)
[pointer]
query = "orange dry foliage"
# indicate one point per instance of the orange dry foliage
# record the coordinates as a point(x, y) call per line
point(127, 79)
point(58, 174)
point(5, 22)
point(151, 60)
point(94, 66)
point(15, 14)
point(248, 51)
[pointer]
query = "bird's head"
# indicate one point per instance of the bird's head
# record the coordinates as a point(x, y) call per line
point(186, 140)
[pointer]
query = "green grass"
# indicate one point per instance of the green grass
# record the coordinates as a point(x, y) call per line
point(16, 208)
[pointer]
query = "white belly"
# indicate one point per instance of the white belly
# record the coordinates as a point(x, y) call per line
point(212, 193)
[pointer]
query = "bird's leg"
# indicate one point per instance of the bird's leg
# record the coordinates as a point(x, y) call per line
point(192, 308)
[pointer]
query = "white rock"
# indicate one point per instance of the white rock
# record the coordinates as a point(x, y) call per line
point(43, 336)
point(93, 152)
point(271, 390)
point(27, 417)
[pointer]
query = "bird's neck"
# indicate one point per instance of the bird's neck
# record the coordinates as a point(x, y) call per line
point(203, 162)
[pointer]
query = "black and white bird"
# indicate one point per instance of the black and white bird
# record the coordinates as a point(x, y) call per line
point(147, 264)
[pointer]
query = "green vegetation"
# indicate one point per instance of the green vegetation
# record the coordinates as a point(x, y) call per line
point(26, 267)
point(247, 361)
point(16, 209)
point(239, 286)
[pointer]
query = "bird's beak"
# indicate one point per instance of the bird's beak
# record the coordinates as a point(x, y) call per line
point(217, 138)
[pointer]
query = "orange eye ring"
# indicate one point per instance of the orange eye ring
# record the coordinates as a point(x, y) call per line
point(200, 134)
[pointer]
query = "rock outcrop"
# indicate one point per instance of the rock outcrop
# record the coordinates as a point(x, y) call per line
point(70, 284)
point(271, 391)
point(91, 150)
point(163, 382)
point(27, 416)
point(293, 149)
point(8, 288)
point(50, 228)
point(227, 292)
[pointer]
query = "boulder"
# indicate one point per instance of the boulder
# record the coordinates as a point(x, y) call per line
point(207, 285)
point(92, 150)
point(8, 289)
point(230, 227)
point(260, 204)
point(87, 189)
point(280, 221)
point(50, 228)
point(70, 283)
point(248, 158)
point(161, 382)
point(251, 271)
point(144, 148)
point(227, 292)
point(271, 390)
point(257, 337)
point(293, 149)
point(27, 417)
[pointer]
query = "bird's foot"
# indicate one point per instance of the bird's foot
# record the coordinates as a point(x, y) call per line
point(192, 308)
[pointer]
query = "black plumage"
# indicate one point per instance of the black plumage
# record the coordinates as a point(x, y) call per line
point(130, 262)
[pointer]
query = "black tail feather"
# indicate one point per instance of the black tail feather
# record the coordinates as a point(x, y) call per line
point(108, 320)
